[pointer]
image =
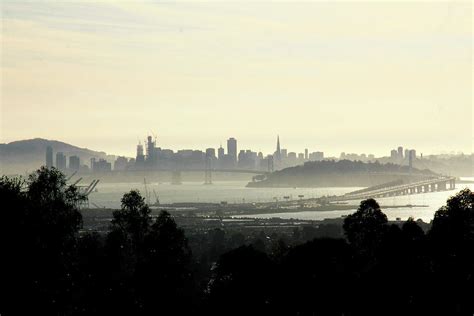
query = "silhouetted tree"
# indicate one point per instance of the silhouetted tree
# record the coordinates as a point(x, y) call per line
point(125, 249)
point(133, 221)
point(163, 274)
point(42, 213)
point(452, 242)
point(412, 231)
point(365, 228)
point(454, 222)
point(315, 278)
point(241, 282)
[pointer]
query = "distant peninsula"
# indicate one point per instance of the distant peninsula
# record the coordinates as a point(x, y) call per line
point(342, 173)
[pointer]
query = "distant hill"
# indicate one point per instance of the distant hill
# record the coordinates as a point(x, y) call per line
point(24, 156)
point(342, 173)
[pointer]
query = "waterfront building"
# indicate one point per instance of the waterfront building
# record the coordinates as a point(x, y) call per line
point(121, 163)
point(60, 161)
point(232, 149)
point(74, 163)
point(211, 153)
point(220, 153)
point(400, 152)
point(49, 157)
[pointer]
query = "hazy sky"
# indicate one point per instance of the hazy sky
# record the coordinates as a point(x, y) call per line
point(335, 76)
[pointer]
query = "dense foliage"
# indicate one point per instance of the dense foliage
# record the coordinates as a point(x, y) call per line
point(145, 265)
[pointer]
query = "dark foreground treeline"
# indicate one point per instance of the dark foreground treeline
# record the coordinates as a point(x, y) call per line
point(144, 266)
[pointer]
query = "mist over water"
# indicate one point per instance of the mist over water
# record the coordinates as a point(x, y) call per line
point(109, 195)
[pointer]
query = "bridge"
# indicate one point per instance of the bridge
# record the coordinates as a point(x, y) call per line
point(176, 174)
point(249, 171)
point(442, 183)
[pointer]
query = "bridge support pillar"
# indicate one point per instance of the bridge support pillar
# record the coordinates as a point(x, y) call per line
point(441, 186)
point(426, 188)
point(433, 187)
point(419, 189)
point(452, 184)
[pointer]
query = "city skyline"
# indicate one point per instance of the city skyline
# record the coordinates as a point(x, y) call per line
point(338, 76)
point(150, 156)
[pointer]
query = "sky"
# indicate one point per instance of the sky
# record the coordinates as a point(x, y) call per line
point(350, 76)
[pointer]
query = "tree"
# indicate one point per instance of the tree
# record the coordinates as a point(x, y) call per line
point(150, 259)
point(412, 231)
point(133, 220)
point(451, 238)
point(163, 273)
point(314, 279)
point(242, 275)
point(40, 223)
point(365, 228)
point(454, 222)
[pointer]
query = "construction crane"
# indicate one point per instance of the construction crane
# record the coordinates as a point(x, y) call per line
point(72, 175)
point(77, 181)
point(91, 187)
point(147, 194)
point(157, 201)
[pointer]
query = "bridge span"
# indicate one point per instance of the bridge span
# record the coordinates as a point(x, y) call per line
point(176, 174)
point(430, 185)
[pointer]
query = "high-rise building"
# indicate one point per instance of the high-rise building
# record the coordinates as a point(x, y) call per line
point(121, 163)
point(316, 156)
point(394, 154)
point(151, 156)
point(400, 152)
point(277, 155)
point(306, 157)
point(140, 159)
point(211, 153)
point(220, 153)
point(284, 154)
point(232, 148)
point(49, 157)
point(60, 161)
point(74, 163)
point(101, 166)
point(411, 157)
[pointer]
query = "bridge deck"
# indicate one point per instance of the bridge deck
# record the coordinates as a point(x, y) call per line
point(425, 186)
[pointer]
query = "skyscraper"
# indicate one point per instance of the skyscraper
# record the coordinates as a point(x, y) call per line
point(60, 161)
point(74, 163)
point(232, 149)
point(394, 154)
point(400, 152)
point(140, 158)
point(151, 157)
point(49, 157)
point(277, 155)
point(220, 153)
point(211, 153)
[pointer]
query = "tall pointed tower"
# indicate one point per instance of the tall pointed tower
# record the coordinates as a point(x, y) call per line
point(278, 152)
